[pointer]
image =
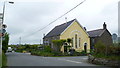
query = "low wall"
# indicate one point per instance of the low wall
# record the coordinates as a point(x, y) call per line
point(101, 61)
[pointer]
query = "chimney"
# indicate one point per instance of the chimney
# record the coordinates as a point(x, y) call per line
point(104, 26)
point(43, 35)
point(85, 28)
point(66, 19)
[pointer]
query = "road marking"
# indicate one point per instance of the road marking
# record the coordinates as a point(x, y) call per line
point(84, 58)
point(73, 61)
point(28, 53)
point(70, 61)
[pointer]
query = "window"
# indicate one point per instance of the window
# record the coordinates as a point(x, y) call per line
point(93, 40)
point(76, 40)
point(85, 47)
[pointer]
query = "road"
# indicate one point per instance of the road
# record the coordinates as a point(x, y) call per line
point(25, 59)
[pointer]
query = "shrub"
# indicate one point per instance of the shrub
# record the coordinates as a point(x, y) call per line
point(114, 50)
point(41, 53)
point(58, 44)
point(92, 52)
point(47, 49)
point(108, 52)
point(5, 42)
point(83, 53)
point(4, 59)
point(100, 48)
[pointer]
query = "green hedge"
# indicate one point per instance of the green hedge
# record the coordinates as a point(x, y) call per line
point(4, 60)
point(0, 60)
point(111, 52)
point(111, 57)
point(41, 53)
point(54, 53)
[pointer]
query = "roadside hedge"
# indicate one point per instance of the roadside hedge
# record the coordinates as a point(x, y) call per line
point(4, 60)
point(110, 52)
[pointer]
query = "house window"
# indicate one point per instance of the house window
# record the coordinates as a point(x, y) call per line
point(79, 42)
point(76, 40)
point(93, 40)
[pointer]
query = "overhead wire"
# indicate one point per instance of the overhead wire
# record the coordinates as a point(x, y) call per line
point(57, 18)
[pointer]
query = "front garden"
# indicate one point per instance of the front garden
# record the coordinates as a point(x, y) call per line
point(44, 50)
point(47, 51)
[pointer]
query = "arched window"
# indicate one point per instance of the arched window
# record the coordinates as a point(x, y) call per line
point(75, 40)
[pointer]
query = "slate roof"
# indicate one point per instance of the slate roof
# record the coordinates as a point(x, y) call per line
point(59, 29)
point(96, 33)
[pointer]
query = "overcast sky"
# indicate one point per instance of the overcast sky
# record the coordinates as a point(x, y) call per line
point(25, 17)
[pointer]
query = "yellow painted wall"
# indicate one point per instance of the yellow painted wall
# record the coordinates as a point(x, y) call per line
point(70, 32)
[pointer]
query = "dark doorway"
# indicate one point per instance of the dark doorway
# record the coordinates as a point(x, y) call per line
point(85, 47)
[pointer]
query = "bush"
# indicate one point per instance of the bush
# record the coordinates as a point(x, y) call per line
point(114, 50)
point(83, 53)
point(5, 42)
point(111, 57)
point(47, 49)
point(108, 52)
point(4, 60)
point(41, 53)
point(100, 48)
point(58, 44)
point(92, 52)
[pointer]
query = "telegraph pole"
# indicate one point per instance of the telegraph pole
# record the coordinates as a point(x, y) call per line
point(19, 40)
point(40, 41)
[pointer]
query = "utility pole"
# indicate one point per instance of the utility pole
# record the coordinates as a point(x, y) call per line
point(19, 40)
point(40, 41)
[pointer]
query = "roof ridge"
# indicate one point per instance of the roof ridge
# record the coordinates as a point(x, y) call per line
point(102, 32)
point(61, 24)
point(65, 22)
point(59, 29)
point(95, 30)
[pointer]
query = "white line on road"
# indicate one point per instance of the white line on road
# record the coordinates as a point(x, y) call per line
point(70, 61)
point(73, 61)
point(84, 58)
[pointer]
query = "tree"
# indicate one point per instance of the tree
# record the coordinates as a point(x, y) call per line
point(69, 41)
point(5, 42)
point(58, 43)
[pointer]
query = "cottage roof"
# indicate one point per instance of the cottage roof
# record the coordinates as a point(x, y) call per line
point(96, 33)
point(59, 29)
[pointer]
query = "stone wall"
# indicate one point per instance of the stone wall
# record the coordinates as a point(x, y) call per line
point(106, 38)
point(101, 61)
point(49, 40)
